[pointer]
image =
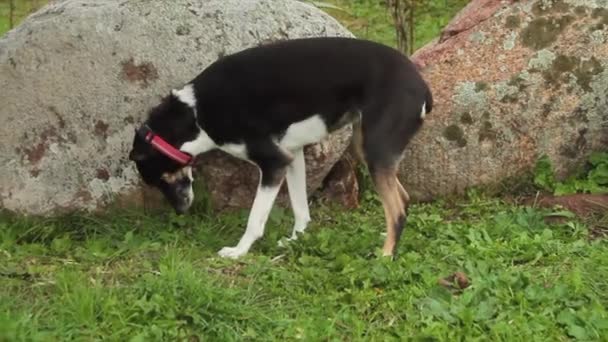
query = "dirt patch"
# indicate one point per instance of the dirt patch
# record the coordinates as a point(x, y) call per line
point(593, 208)
point(35, 153)
point(457, 282)
point(582, 205)
point(142, 73)
point(103, 174)
point(83, 195)
point(101, 129)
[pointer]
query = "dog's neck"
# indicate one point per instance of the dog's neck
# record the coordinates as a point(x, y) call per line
point(202, 142)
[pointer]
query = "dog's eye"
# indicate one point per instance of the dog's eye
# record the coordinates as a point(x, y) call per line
point(170, 177)
point(178, 176)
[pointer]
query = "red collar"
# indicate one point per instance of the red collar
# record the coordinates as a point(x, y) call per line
point(164, 147)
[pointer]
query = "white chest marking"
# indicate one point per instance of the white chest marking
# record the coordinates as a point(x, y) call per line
point(303, 133)
point(201, 144)
point(237, 150)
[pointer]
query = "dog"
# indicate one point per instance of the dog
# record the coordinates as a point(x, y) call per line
point(264, 104)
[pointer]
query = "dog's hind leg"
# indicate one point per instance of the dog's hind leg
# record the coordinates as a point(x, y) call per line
point(387, 186)
point(296, 184)
point(273, 162)
point(387, 128)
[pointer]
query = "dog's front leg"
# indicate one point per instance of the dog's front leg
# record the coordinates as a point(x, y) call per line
point(262, 204)
point(272, 162)
point(296, 184)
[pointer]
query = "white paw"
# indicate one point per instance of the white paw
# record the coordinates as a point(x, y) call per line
point(284, 241)
point(231, 252)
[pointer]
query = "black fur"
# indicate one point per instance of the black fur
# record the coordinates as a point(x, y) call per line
point(253, 96)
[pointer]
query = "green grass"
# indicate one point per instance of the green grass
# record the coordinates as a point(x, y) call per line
point(22, 9)
point(370, 19)
point(591, 178)
point(128, 276)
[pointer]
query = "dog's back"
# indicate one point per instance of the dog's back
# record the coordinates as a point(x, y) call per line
point(269, 87)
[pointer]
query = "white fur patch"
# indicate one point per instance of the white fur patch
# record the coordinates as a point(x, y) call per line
point(296, 184)
point(423, 112)
point(237, 150)
point(186, 95)
point(201, 144)
point(303, 133)
point(262, 204)
point(188, 173)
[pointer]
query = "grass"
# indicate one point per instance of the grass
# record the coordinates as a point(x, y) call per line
point(369, 19)
point(128, 276)
point(22, 9)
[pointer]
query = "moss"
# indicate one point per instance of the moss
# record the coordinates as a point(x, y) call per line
point(555, 76)
point(601, 14)
point(545, 7)
point(481, 86)
point(602, 23)
point(509, 98)
point(585, 72)
point(182, 30)
point(542, 32)
point(466, 118)
point(518, 81)
point(455, 133)
point(546, 109)
point(513, 22)
point(486, 132)
point(597, 27)
point(573, 151)
point(563, 63)
point(582, 70)
point(580, 10)
point(560, 6)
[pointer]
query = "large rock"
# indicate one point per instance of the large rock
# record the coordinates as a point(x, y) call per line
point(78, 76)
point(512, 81)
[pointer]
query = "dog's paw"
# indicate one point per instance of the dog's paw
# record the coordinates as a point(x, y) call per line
point(283, 242)
point(231, 252)
point(286, 240)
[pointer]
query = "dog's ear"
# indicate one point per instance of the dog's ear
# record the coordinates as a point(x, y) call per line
point(137, 156)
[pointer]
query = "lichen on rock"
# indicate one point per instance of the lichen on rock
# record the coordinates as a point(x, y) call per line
point(545, 94)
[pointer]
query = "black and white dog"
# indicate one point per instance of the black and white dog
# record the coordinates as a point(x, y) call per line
point(266, 103)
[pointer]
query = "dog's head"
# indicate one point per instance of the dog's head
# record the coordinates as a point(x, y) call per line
point(156, 155)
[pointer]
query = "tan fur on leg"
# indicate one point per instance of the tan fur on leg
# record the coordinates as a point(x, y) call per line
point(404, 195)
point(392, 201)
